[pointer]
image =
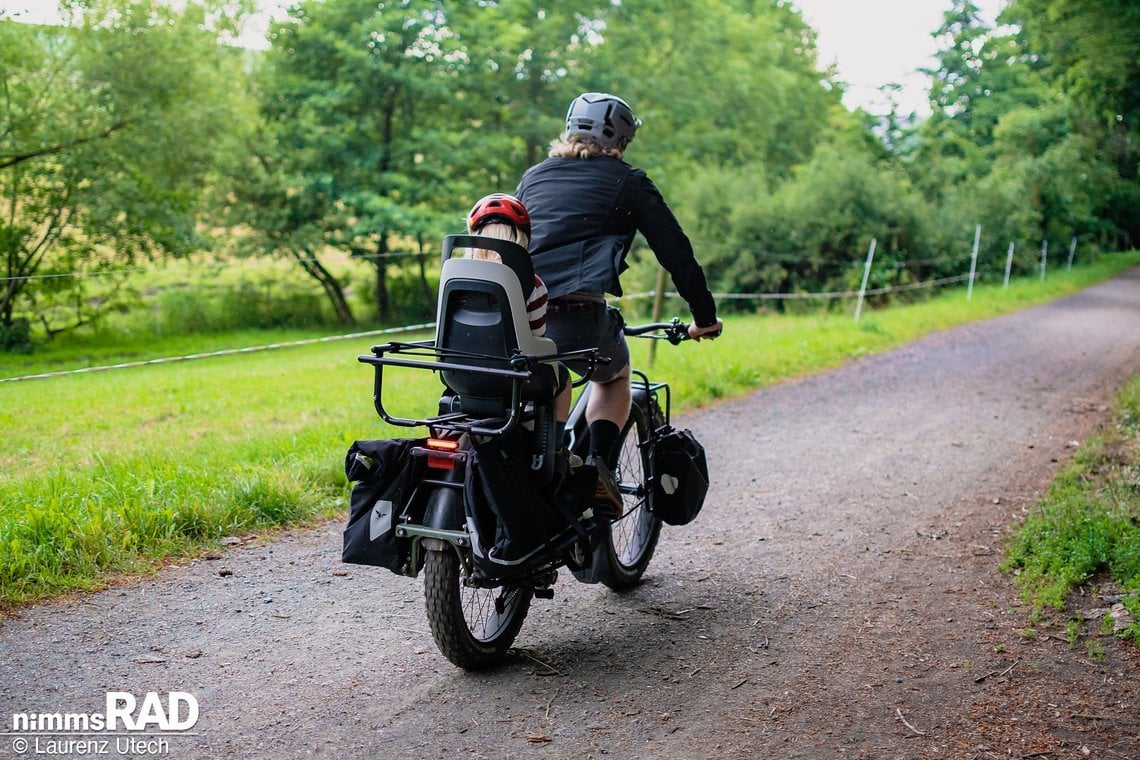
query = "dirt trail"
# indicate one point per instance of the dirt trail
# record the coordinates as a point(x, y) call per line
point(838, 596)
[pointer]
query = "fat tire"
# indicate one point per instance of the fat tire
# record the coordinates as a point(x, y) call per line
point(445, 598)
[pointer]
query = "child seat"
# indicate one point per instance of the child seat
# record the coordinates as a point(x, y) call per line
point(483, 323)
point(497, 372)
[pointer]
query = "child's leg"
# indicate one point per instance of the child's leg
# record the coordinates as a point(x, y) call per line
point(562, 405)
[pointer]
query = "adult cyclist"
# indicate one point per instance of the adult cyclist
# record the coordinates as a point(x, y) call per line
point(586, 205)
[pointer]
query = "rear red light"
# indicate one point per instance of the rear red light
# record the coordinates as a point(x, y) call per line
point(443, 445)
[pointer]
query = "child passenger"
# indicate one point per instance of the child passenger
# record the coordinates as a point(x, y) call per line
point(504, 217)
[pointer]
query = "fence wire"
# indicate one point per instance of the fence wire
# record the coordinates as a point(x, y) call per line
point(431, 325)
point(223, 352)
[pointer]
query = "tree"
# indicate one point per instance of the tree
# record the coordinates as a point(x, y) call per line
point(107, 131)
point(980, 76)
point(355, 90)
point(1018, 138)
point(1048, 178)
point(525, 61)
point(1089, 50)
point(732, 102)
point(718, 83)
point(811, 232)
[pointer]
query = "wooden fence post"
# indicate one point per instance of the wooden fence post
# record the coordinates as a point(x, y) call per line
point(658, 308)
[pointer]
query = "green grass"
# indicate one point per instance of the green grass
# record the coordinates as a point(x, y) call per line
point(108, 472)
point(1089, 522)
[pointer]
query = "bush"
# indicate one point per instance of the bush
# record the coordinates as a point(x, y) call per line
point(262, 303)
point(811, 232)
point(16, 338)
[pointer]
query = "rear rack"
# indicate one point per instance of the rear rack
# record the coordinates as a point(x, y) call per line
point(518, 368)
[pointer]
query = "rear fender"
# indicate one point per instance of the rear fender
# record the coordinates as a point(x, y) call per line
point(444, 509)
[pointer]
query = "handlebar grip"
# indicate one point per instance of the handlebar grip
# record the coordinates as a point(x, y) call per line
point(675, 328)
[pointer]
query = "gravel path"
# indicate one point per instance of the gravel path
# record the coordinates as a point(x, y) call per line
point(837, 597)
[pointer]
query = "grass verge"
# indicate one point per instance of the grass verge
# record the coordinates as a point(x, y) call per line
point(1088, 524)
point(113, 471)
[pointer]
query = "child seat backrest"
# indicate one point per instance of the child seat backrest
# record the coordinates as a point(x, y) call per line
point(482, 314)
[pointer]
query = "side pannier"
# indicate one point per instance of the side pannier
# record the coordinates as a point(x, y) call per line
point(679, 475)
point(387, 479)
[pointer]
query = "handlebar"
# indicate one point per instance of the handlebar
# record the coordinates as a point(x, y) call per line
point(674, 331)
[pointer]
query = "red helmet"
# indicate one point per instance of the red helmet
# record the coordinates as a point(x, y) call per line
point(498, 207)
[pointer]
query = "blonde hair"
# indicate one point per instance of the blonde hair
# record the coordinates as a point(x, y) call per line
point(569, 146)
point(499, 231)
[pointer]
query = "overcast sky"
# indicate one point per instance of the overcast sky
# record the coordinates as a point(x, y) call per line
point(875, 42)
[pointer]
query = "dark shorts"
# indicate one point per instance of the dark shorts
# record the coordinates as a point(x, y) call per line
point(577, 325)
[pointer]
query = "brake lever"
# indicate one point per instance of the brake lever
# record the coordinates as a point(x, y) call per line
point(677, 331)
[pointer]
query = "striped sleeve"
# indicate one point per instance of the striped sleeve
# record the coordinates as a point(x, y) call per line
point(536, 308)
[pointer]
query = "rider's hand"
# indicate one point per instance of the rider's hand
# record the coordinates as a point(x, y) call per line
point(711, 332)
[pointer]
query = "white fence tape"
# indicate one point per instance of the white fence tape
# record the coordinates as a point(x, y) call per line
point(431, 325)
point(223, 352)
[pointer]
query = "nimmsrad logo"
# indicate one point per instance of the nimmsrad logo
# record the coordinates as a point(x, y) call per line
point(123, 712)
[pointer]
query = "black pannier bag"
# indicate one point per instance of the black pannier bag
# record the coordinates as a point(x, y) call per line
point(386, 476)
point(512, 517)
point(679, 475)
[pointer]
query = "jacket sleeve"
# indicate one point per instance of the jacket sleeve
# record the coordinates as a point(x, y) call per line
point(655, 220)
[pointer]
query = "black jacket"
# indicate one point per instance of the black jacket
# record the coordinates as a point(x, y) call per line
point(584, 215)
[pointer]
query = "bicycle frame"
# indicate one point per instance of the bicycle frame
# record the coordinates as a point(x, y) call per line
point(643, 393)
point(444, 522)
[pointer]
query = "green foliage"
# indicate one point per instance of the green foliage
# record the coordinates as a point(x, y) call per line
point(367, 129)
point(1089, 522)
point(812, 232)
point(264, 304)
point(354, 95)
point(123, 468)
point(1034, 129)
point(1092, 48)
point(108, 130)
point(16, 338)
point(718, 84)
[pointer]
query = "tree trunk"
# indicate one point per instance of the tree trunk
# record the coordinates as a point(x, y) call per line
point(6, 303)
point(333, 289)
point(429, 297)
point(383, 303)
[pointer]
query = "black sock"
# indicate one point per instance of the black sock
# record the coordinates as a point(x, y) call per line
point(603, 436)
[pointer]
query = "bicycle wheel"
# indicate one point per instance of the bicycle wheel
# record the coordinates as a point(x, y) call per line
point(627, 546)
point(473, 627)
